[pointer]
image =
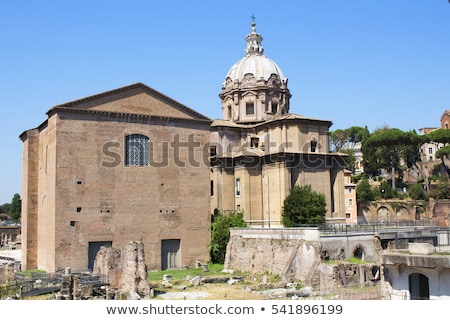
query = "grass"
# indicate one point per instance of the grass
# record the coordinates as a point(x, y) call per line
point(351, 260)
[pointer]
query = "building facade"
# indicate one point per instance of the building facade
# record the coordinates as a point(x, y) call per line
point(259, 150)
point(113, 168)
point(351, 207)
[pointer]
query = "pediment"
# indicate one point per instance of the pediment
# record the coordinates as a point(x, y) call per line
point(137, 99)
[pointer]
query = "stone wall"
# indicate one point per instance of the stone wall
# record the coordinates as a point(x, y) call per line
point(294, 254)
point(331, 276)
point(440, 211)
point(297, 254)
point(126, 268)
point(344, 247)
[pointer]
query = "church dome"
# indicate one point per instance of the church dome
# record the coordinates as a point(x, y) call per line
point(254, 63)
point(255, 89)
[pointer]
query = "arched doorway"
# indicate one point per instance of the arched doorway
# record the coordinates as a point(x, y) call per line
point(419, 288)
point(358, 252)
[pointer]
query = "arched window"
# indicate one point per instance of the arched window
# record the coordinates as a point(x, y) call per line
point(136, 150)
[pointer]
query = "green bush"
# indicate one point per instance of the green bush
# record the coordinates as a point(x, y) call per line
point(220, 233)
point(303, 206)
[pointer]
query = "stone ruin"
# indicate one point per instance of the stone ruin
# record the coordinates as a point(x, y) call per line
point(126, 268)
point(7, 272)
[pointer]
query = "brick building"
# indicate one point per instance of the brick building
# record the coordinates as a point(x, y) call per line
point(113, 168)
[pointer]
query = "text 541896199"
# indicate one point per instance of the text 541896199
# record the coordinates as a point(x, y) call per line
point(307, 309)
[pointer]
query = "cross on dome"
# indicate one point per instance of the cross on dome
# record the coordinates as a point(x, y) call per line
point(254, 40)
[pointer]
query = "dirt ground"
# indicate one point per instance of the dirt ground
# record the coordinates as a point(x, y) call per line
point(248, 291)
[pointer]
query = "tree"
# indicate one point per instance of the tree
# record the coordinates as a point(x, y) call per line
point(345, 140)
point(4, 208)
point(438, 136)
point(220, 233)
point(386, 191)
point(387, 148)
point(303, 206)
point(15, 209)
point(441, 191)
point(364, 192)
point(417, 192)
point(443, 153)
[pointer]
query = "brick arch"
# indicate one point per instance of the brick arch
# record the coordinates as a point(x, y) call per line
point(359, 252)
point(403, 213)
point(383, 213)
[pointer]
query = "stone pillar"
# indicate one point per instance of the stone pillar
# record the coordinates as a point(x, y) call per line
point(135, 275)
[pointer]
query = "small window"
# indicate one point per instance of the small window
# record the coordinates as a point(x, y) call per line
point(212, 151)
point(430, 150)
point(350, 202)
point(79, 182)
point(249, 108)
point(313, 145)
point(350, 190)
point(238, 187)
point(254, 142)
point(72, 223)
point(238, 208)
point(347, 215)
point(78, 209)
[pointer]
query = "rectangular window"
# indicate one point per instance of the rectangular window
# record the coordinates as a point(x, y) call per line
point(212, 151)
point(249, 108)
point(274, 107)
point(238, 187)
point(350, 202)
point(238, 208)
point(349, 190)
point(430, 150)
point(212, 188)
point(136, 150)
point(313, 145)
point(254, 142)
point(347, 215)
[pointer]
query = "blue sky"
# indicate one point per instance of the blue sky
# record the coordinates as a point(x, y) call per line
point(366, 63)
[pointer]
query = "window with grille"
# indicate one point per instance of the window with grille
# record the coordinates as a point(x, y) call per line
point(136, 150)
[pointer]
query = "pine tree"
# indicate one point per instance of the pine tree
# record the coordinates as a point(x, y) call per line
point(15, 210)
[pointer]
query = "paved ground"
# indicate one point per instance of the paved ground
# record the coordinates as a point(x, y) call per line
point(184, 295)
